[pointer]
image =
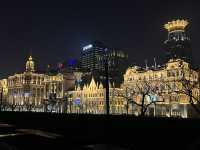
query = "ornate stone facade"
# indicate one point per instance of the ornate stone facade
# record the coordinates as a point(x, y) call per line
point(91, 99)
point(4, 89)
point(169, 80)
point(32, 88)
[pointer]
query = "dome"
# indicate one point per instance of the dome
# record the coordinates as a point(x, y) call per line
point(30, 65)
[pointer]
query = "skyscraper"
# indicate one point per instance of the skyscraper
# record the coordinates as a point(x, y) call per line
point(90, 55)
point(93, 58)
point(178, 43)
point(117, 64)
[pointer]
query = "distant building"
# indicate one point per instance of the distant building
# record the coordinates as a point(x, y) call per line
point(90, 98)
point(90, 54)
point(73, 64)
point(4, 90)
point(69, 70)
point(32, 89)
point(168, 77)
point(117, 65)
point(178, 43)
point(84, 90)
point(168, 80)
point(26, 87)
point(93, 57)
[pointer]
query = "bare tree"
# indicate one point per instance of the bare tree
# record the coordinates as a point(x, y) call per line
point(12, 106)
point(142, 94)
point(188, 84)
point(29, 104)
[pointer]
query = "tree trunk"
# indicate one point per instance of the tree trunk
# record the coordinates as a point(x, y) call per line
point(142, 113)
point(127, 108)
point(193, 105)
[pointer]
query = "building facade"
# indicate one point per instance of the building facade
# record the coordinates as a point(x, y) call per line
point(90, 98)
point(178, 43)
point(163, 90)
point(170, 83)
point(90, 55)
point(30, 90)
point(117, 65)
point(3, 90)
point(95, 56)
point(170, 90)
point(170, 93)
point(26, 88)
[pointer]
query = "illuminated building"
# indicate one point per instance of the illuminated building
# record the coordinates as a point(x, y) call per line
point(90, 54)
point(4, 89)
point(32, 88)
point(54, 86)
point(93, 59)
point(117, 65)
point(90, 98)
point(168, 77)
point(26, 87)
point(85, 91)
point(178, 43)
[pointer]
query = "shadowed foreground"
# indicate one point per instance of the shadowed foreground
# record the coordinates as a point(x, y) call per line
point(43, 130)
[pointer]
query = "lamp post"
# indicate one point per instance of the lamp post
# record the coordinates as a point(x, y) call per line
point(107, 83)
point(1, 99)
point(14, 102)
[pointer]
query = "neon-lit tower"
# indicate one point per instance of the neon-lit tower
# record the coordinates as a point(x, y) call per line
point(178, 43)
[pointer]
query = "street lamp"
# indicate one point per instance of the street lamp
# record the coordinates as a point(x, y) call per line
point(1, 99)
point(107, 82)
point(14, 102)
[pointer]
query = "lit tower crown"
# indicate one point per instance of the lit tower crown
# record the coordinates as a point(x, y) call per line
point(176, 25)
point(30, 65)
point(178, 43)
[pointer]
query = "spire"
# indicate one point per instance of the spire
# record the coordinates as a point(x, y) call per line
point(100, 86)
point(92, 83)
point(155, 65)
point(146, 64)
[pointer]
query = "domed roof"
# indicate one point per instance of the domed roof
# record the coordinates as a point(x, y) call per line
point(30, 65)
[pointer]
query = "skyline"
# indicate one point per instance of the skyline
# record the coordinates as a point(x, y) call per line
point(105, 74)
point(56, 34)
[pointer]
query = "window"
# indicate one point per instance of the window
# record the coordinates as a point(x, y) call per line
point(161, 75)
point(177, 73)
point(168, 73)
point(173, 73)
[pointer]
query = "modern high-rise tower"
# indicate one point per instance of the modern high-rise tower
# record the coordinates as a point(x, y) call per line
point(90, 55)
point(93, 59)
point(178, 43)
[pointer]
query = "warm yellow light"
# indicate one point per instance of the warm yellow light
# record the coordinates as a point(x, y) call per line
point(176, 25)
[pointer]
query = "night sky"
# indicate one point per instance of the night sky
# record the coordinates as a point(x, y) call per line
point(55, 32)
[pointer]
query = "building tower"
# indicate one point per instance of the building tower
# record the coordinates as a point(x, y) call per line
point(30, 65)
point(90, 55)
point(178, 43)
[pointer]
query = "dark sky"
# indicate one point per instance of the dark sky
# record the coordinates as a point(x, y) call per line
point(55, 32)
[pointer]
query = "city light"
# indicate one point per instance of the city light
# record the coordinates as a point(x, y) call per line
point(87, 47)
point(140, 87)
